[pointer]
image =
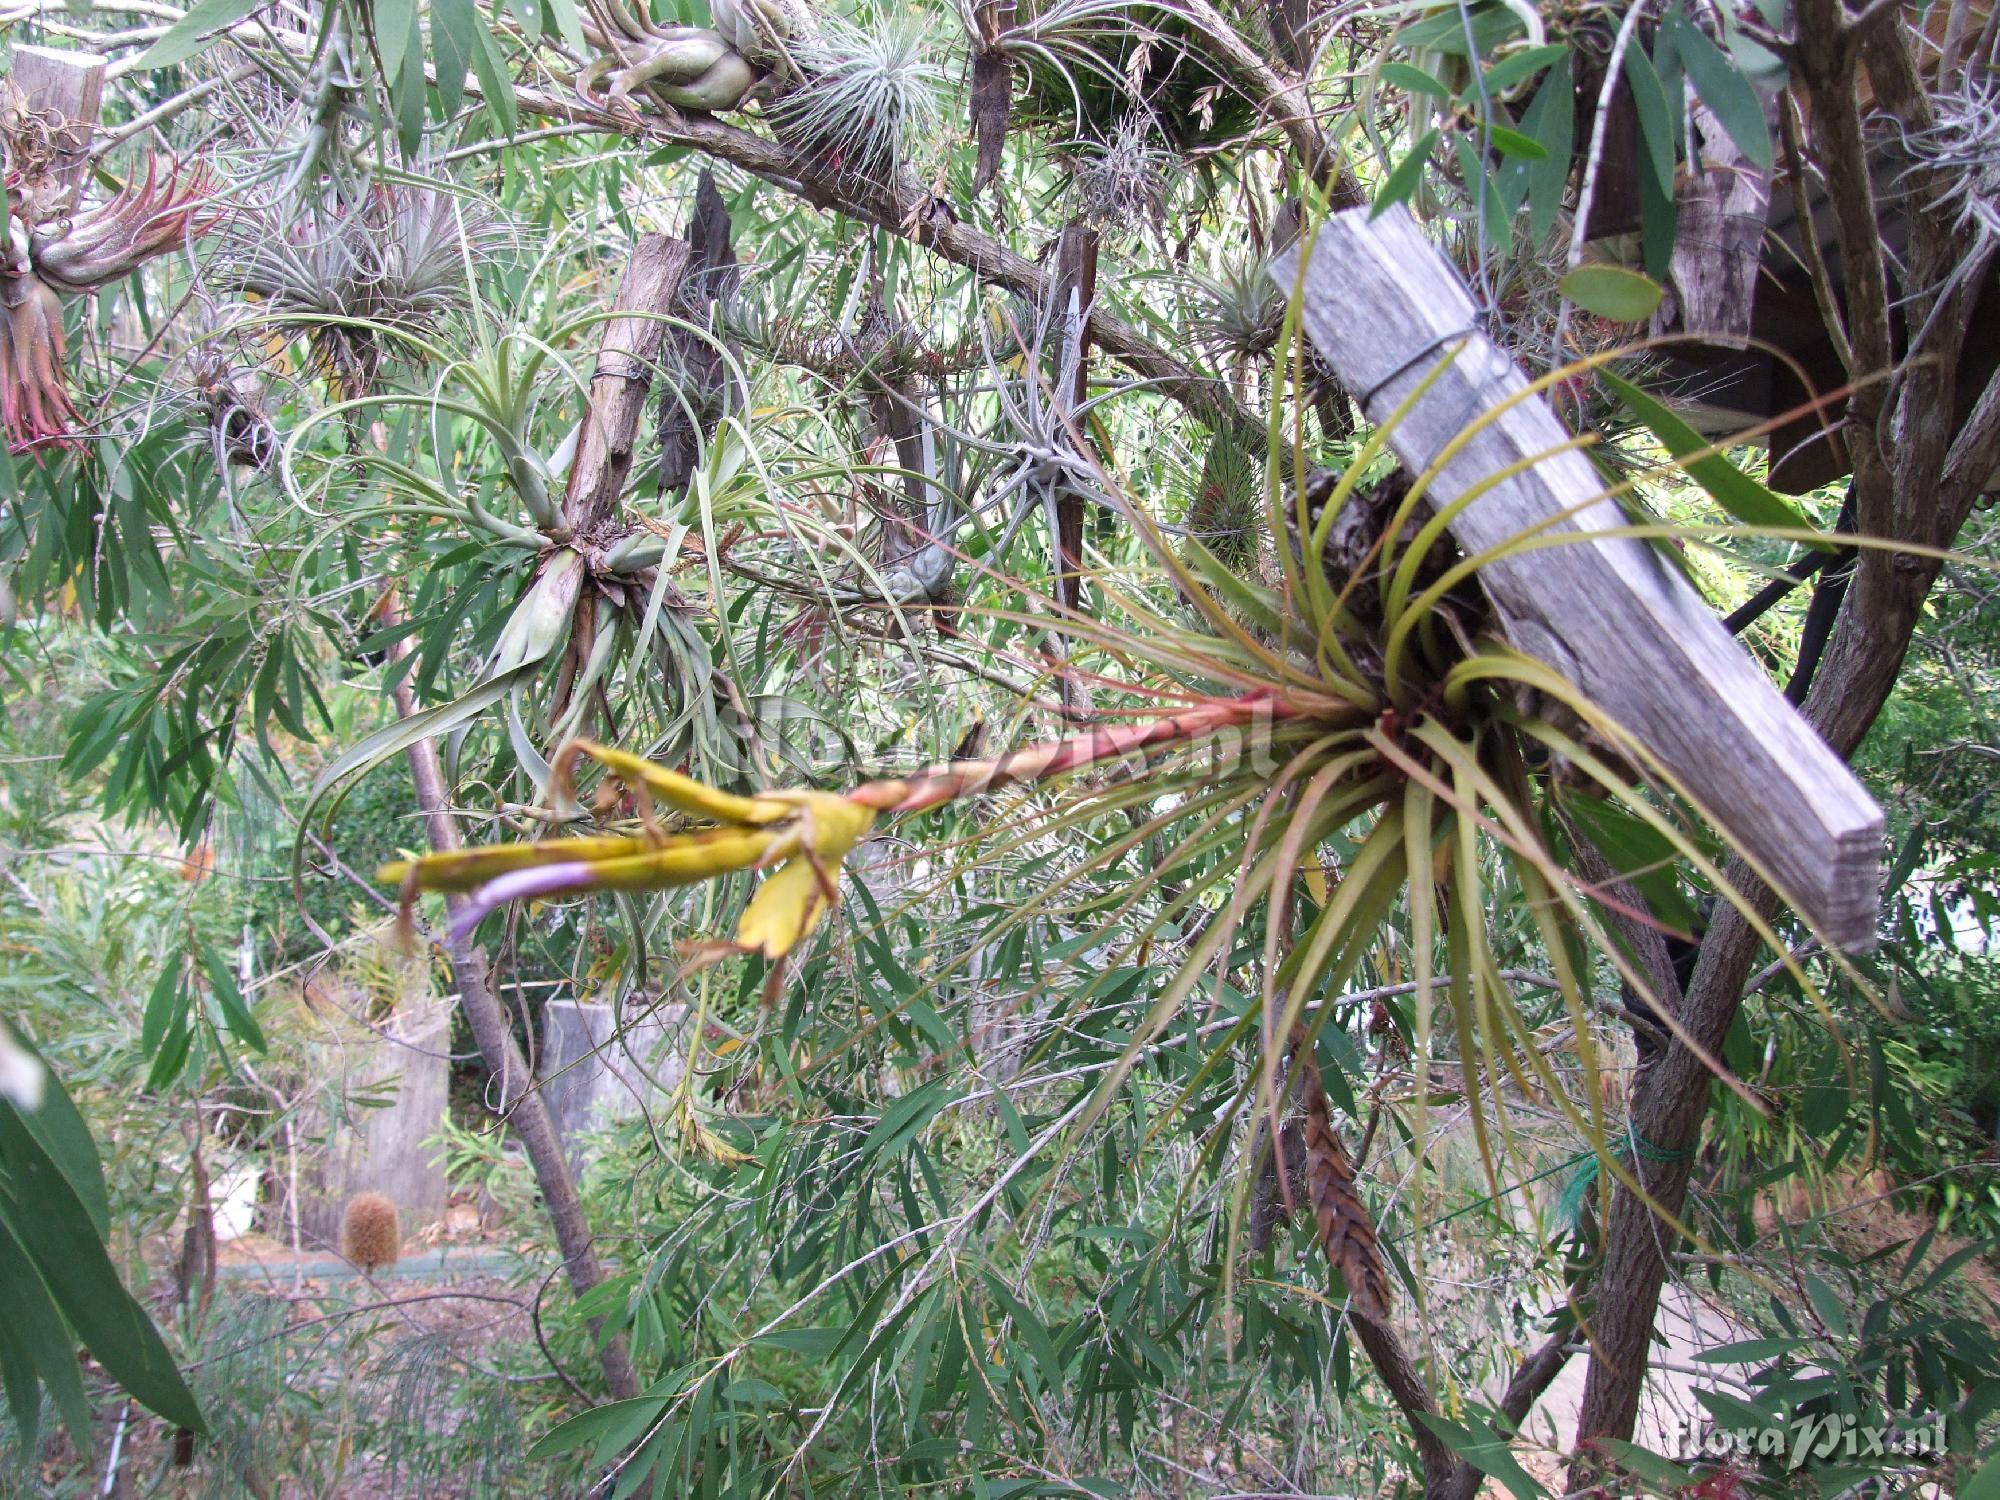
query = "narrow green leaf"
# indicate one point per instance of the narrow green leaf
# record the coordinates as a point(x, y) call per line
point(60, 1130)
point(1736, 492)
point(190, 33)
point(1659, 223)
point(1724, 89)
point(408, 92)
point(1488, 1453)
point(35, 1344)
point(819, 1343)
point(394, 23)
point(1656, 119)
point(174, 1049)
point(454, 31)
point(1985, 1485)
point(56, 1231)
point(1413, 80)
point(1402, 182)
point(1750, 1351)
point(1514, 143)
point(568, 23)
point(234, 1009)
point(637, 1414)
point(1950, 1264)
point(1518, 67)
point(1646, 1464)
point(1731, 1411)
point(1612, 292)
point(1554, 109)
point(494, 84)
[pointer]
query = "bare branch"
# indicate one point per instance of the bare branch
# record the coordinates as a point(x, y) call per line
point(905, 209)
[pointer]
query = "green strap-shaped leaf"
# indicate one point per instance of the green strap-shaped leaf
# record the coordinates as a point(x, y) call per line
point(1488, 1453)
point(1555, 128)
point(62, 1134)
point(1413, 80)
point(1402, 182)
point(36, 1349)
point(1515, 143)
point(619, 1420)
point(235, 1009)
point(1518, 67)
point(165, 1005)
point(1612, 292)
point(454, 34)
point(494, 84)
point(394, 24)
point(189, 34)
point(1736, 492)
point(56, 1232)
point(407, 91)
point(392, 739)
point(1656, 119)
point(1649, 1466)
point(1724, 90)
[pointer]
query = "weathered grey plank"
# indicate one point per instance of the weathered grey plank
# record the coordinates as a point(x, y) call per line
point(1718, 241)
point(69, 85)
point(626, 358)
point(592, 1076)
point(1385, 307)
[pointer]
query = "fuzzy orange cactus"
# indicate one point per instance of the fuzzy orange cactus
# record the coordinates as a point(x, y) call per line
point(369, 1233)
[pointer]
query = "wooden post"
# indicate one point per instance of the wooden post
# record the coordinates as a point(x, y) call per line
point(1718, 243)
point(626, 357)
point(628, 354)
point(69, 85)
point(1385, 308)
point(1076, 284)
point(1075, 296)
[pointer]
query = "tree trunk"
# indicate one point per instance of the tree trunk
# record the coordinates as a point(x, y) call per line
point(1917, 468)
point(520, 1104)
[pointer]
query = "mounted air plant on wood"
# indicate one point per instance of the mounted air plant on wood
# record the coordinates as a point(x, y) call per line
point(50, 250)
point(1368, 716)
point(687, 67)
point(1084, 66)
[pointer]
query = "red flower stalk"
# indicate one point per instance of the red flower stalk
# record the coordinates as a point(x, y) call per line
point(34, 394)
point(953, 779)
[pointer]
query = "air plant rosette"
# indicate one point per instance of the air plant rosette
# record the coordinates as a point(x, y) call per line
point(1349, 744)
point(869, 95)
point(50, 252)
point(357, 277)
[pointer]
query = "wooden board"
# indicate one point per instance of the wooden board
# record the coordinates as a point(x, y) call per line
point(626, 360)
point(71, 86)
point(1384, 308)
point(1718, 241)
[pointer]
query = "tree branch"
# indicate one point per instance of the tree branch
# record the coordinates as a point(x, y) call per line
point(906, 209)
point(1284, 98)
point(520, 1104)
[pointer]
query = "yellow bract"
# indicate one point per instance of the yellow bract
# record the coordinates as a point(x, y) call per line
point(682, 793)
point(806, 834)
point(789, 905)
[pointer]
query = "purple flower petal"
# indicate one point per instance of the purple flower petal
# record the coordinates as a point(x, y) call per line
point(516, 885)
